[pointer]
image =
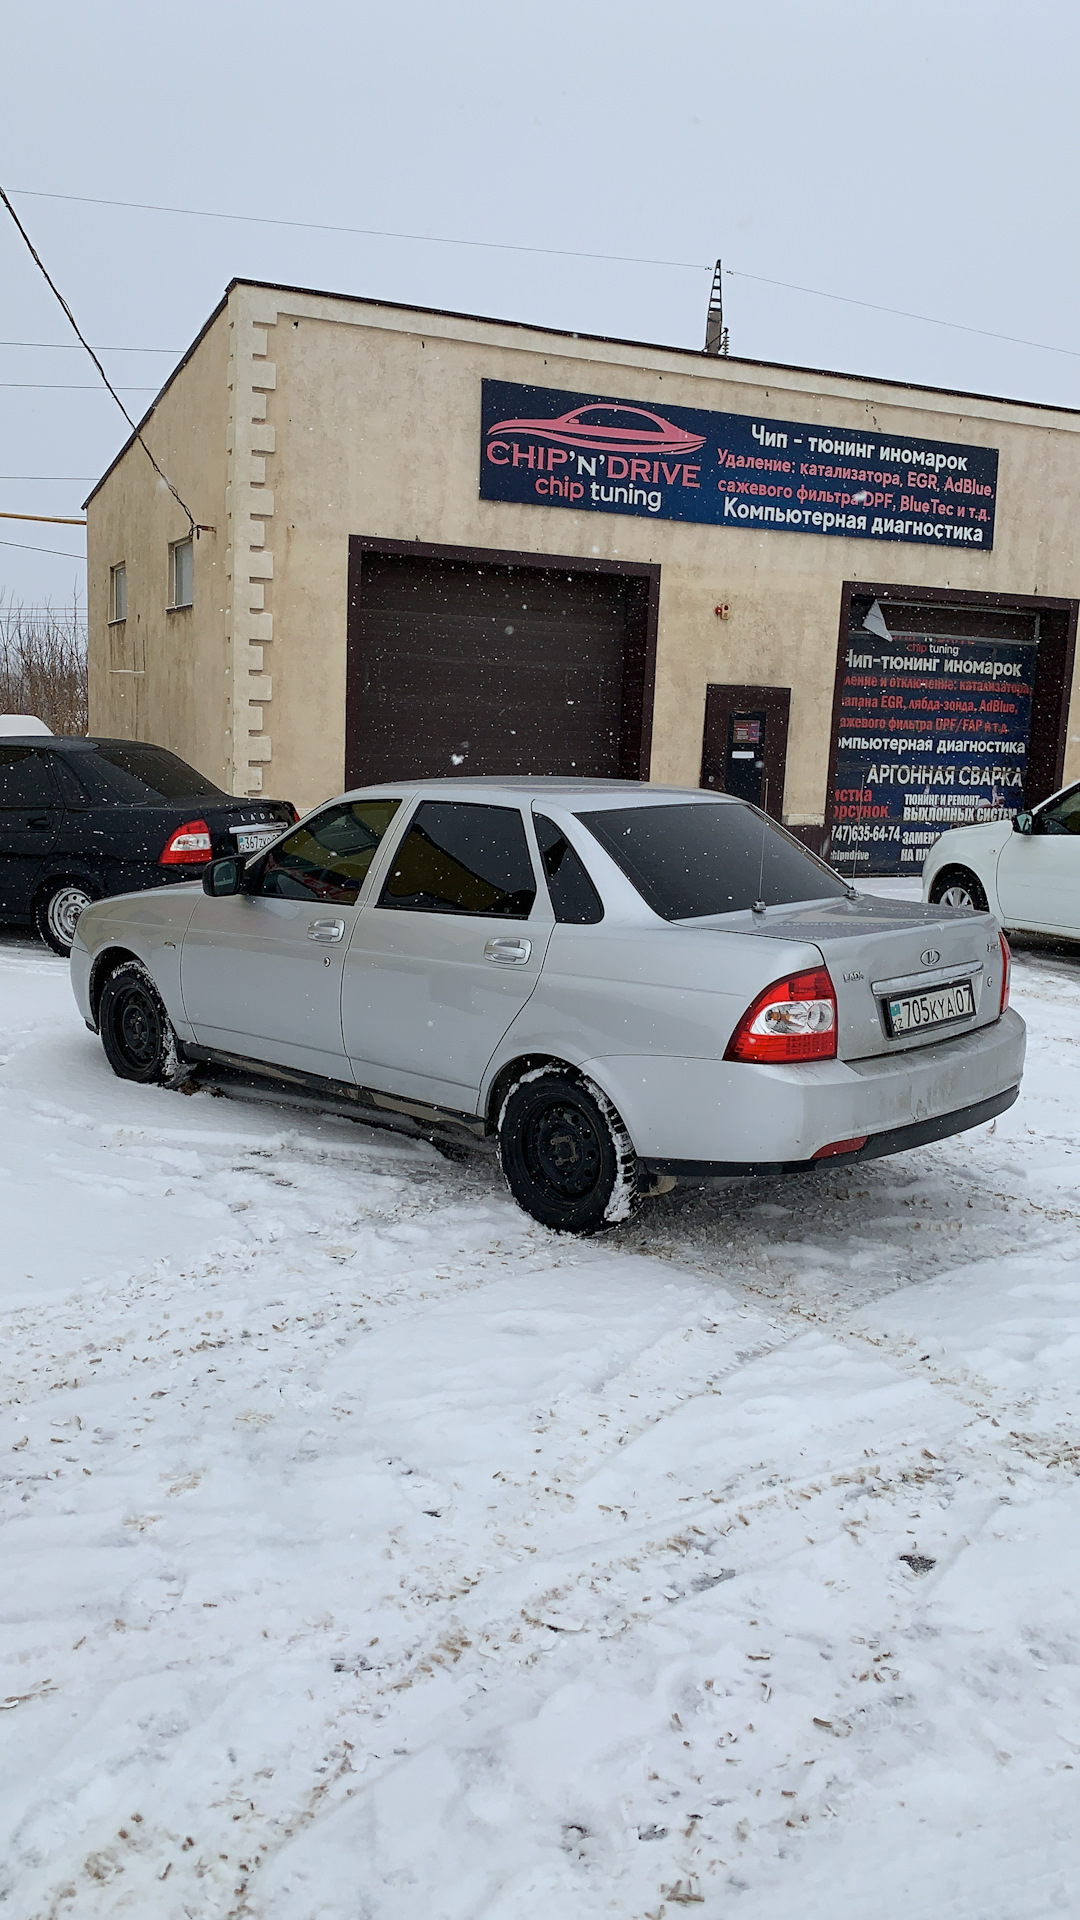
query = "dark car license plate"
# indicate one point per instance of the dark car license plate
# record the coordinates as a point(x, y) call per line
point(914, 1012)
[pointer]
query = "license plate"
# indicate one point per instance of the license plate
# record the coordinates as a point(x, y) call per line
point(253, 838)
point(912, 1012)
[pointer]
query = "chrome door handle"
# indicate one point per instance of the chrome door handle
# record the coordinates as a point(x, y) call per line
point(326, 930)
point(508, 953)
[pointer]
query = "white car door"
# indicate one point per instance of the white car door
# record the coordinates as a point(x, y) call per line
point(261, 970)
point(447, 956)
point(1038, 875)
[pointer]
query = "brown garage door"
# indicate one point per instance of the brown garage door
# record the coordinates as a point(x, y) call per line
point(464, 663)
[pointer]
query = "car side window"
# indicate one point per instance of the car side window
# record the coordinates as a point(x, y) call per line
point(458, 857)
point(327, 859)
point(72, 791)
point(25, 780)
point(574, 900)
point(1063, 816)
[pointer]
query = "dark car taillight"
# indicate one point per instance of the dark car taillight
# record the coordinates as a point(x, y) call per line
point(794, 1019)
point(189, 846)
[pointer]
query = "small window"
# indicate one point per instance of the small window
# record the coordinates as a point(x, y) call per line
point(575, 901)
point(462, 858)
point(181, 573)
point(118, 592)
point(328, 858)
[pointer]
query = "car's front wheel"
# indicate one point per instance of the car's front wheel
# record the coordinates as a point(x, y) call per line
point(566, 1156)
point(136, 1032)
point(56, 913)
point(958, 887)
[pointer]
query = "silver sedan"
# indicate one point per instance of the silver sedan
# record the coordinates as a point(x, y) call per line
point(622, 984)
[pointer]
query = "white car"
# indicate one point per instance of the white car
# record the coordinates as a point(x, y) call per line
point(1026, 872)
point(623, 984)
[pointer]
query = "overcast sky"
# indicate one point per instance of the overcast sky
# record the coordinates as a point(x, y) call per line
point(919, 157)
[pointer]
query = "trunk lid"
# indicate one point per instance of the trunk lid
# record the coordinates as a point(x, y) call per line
point(876, 949)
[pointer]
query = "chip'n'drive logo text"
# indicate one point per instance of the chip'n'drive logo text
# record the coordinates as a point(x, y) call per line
point(605, 442)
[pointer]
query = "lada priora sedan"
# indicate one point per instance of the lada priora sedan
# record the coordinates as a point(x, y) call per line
point(623, 984)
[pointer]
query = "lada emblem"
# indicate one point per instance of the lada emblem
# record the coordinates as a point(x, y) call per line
point(930, 956)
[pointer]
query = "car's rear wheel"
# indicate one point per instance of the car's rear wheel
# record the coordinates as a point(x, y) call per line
point(566, 1155)
point(958, 887)
point(56, 913)
point(136, 1032)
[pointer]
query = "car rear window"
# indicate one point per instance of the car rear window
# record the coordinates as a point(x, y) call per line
point(688, 862)
point(142, 774)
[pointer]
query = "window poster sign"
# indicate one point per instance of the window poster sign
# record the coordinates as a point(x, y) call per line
point(933, 733)
point(543, 447)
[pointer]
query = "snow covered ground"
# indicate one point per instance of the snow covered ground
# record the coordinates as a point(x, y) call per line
point(727, 1563)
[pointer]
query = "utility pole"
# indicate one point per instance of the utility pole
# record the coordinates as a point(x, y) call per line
point(716, 334)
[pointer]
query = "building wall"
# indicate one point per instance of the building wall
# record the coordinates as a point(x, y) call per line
point(158, 674)
point(349, 418)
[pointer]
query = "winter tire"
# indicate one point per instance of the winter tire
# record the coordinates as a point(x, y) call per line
point(136, 1031)
point(958, 887)
point(566, 1156)
point(56, 912)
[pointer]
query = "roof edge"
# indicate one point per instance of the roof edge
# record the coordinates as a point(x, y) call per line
point(564, 333)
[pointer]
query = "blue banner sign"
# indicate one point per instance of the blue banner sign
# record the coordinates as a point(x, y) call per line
point(932, 734)
point(543, 447)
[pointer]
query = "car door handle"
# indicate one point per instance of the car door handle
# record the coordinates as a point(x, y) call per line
point(326, 931)
point(39, 820)
point(508, 953)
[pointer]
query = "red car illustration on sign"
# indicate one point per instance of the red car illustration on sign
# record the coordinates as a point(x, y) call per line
point(608, 428)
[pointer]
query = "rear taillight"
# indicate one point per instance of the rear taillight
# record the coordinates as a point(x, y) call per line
point(293, 811)
point(1006, 971)
point(189, 846)
point(794, 1019)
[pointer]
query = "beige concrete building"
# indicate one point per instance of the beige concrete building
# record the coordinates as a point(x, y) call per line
point(652, 562)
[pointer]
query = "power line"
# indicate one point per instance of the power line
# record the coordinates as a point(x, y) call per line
point(69, 479)
point(369, 233)
point(900, 313)
point(23, 548)
point(50, 282)
point(72, 346)
point(66, 386)
point(559, 253)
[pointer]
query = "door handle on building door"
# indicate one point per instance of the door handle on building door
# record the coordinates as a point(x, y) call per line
point(508, 953)
point(326, 930)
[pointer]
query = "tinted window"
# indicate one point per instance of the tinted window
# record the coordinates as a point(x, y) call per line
point(574, 899)
point(690, 861)
point(328, 857)
point(143, 775)
point(24, 779)
point(1063, 816)
point(72, 791)
point(458, 858)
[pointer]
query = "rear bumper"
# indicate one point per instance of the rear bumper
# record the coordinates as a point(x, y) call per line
point(921, 1133)
point(725, 1113)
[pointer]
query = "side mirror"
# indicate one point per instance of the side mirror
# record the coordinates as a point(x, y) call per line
point(223, 877)
point(1022, 823)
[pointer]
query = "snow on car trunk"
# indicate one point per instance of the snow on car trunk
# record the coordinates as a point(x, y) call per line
point(369, 1550)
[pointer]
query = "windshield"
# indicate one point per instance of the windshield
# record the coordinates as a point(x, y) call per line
point(138, 773)
point(688, 862)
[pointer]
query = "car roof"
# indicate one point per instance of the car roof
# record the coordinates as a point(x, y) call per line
point(550, 787)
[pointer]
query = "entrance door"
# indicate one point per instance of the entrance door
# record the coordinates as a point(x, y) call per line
point(30, 816)
point(744, 748)
point(444, 961)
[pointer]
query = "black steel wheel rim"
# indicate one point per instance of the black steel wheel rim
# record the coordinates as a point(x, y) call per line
point(563, 1150)
point(137, 1028)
